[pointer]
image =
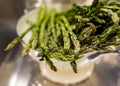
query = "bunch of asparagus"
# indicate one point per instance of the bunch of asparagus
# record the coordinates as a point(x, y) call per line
point(67, 34)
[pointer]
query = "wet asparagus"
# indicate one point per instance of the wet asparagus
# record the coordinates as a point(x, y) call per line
point(67, 34)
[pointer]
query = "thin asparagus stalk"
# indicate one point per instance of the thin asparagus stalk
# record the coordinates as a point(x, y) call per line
point(86, 32)
point(58, 56)
point(112, 7)
point(95, 3)
point(58, 30)
point(63, 57)
point(74, 66)
point(108, 31)
point(40, 16)
point(52, 24)
point(42, 30)
point(72, 35)
point(65, 36)
point(48, 61)
point(18, 39)
point(114, 15)
point(51, 30)
point(34, 42)
point(52, 44)
point(27, 48)
point(29, 44)
point(112, 3)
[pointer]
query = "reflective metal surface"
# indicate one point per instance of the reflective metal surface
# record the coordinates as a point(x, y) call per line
point(15, 71)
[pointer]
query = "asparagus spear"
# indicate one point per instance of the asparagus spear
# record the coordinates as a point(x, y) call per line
point(51, 31)
point(29, 45)
point(27, 48)
point(65, 36)
point(18, 39)
point(86, 32)
point(48, 61)
point(114, 16)
point(34, 42)
point(72, 35)
point(40, 16)
point(74, 66)
point(42, 30)
point(52, 24)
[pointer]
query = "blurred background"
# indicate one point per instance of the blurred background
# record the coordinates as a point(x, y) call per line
point(12, 67)
point(15, 71)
